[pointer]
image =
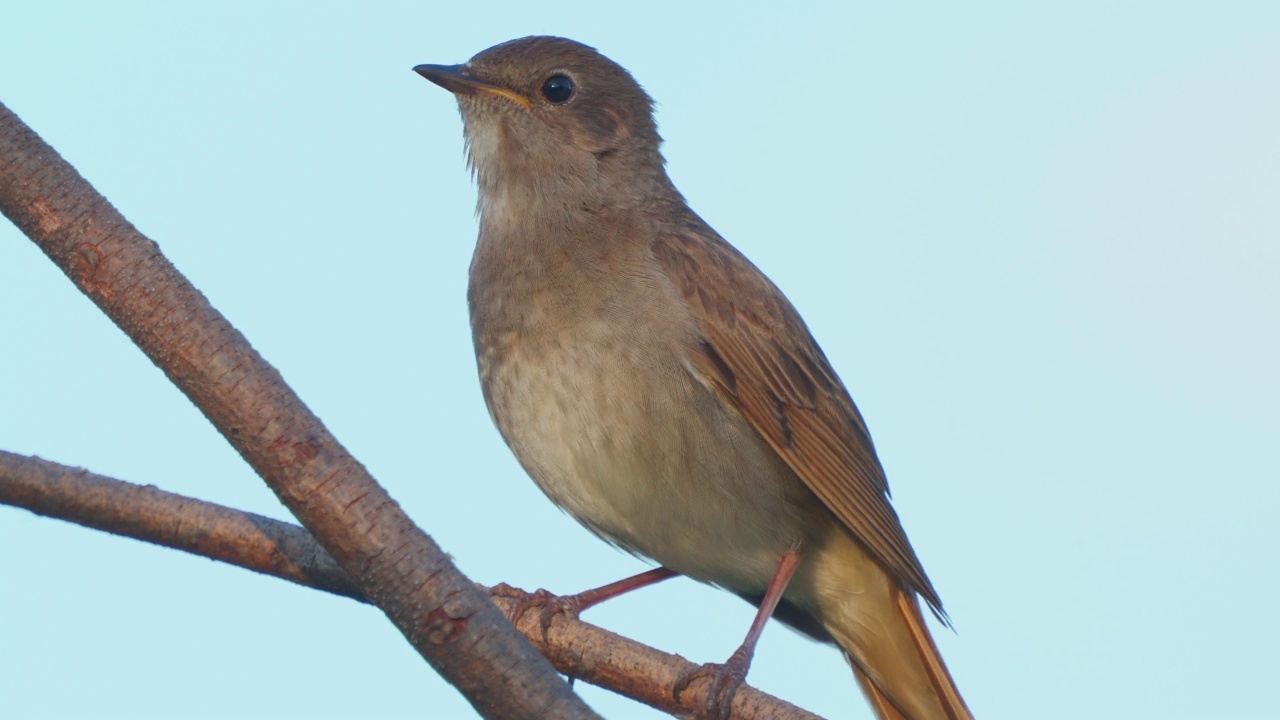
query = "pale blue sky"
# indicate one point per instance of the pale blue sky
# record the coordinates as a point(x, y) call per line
point(1041, 246)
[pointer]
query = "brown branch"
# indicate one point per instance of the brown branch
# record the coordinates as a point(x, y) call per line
point(287, 551)
point(147, 513)
point(442, 614)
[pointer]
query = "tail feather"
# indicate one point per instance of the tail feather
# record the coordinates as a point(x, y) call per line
point(948, 694)
point(922, 659)
point(884, 709)
point(876, 620)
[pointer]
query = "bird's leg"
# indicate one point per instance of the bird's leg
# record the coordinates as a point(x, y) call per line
point(726, 678)
point(550, 605)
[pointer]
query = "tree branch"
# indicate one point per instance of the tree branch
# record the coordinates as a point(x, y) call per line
point(287, 551)
point(147, 513)
point(442, 614)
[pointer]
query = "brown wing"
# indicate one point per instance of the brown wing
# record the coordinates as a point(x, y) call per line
point(758, 352)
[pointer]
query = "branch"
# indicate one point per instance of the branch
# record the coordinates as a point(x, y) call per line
point(287, 551)
point(147, 513)
point(442, 614)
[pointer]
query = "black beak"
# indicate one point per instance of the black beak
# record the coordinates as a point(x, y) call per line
point(458, 80)
point(449, 77)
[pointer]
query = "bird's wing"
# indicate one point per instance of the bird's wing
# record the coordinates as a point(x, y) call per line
point(758, 354)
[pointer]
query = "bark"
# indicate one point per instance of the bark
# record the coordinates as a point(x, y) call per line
point(147, 513)
point(442, 614)
point(286, 551)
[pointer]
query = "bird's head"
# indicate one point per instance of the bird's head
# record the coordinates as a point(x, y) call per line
point(555, 122)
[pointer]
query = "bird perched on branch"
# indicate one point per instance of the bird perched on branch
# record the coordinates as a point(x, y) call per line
point(663, 391)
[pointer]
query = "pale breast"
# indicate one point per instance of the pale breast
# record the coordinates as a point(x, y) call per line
point(596, 400)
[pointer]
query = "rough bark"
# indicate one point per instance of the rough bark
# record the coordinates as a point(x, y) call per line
point(395, 564)
point(284, 550)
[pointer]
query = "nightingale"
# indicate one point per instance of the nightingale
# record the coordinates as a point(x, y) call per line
point(659, 388)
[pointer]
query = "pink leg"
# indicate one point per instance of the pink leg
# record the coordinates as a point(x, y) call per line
point(550, 605)
point(728, 677)
point(584, 600)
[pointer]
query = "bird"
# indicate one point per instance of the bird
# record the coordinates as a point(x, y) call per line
point(663, 391)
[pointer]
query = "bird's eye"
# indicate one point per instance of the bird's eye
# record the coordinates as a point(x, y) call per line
point(558, 89)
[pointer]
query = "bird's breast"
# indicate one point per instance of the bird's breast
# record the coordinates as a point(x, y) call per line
point(591, 390)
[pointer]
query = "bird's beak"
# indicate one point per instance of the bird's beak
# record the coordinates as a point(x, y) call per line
point(457, 79)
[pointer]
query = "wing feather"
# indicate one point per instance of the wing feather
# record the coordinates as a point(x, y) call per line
point(758, 353)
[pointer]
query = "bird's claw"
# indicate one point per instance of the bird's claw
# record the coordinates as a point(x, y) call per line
point(548, 605)
point(725, 680)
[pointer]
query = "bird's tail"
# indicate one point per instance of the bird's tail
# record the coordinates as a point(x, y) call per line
point(879, 626)
point(914, 685)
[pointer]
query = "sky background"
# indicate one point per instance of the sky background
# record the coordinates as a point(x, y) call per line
point(1040, 244)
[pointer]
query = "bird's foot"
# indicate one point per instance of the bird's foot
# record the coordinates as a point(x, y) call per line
point(725, 680)
point(547, 604)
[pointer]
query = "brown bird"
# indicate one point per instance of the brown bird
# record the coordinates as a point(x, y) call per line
point(662, 390)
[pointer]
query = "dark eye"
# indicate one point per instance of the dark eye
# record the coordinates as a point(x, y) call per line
point(558, 89)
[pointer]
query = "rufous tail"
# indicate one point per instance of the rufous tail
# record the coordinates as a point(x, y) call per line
point(936, 698)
